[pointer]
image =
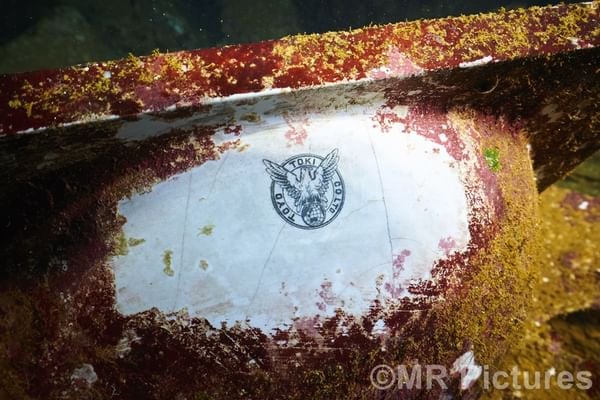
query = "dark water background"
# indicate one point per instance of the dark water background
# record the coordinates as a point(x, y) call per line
point(39, 34)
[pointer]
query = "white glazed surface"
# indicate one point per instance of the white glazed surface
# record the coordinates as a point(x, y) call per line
point(404, 197)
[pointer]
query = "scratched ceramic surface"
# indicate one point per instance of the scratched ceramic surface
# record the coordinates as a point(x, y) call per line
point(216, 246)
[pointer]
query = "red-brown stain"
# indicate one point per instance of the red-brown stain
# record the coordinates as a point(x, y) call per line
point(60, 230)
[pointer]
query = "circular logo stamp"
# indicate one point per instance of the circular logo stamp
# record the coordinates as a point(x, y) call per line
point(307, 190)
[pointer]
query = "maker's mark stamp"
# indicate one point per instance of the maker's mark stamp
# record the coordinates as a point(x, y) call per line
point(307, 190)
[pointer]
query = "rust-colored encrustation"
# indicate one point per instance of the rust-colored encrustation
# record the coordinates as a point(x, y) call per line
point(522, 86)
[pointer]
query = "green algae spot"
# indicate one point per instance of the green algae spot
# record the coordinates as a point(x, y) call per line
point(491, 156)
point(251, 117)
point(134, 241)
point(122, 244)
point(206, 230)
point(167, 260)
point(204, 264)
point(121, 247)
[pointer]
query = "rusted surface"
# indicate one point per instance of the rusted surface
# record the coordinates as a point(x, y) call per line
point(565, 95)
point(74, 144)
point(48, 98)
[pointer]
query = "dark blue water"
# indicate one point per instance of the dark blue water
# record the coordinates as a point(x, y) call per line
point(53, 33)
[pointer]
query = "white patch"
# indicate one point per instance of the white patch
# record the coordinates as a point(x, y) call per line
point(475, 63)
point(379, 327)
point(87, 118)
point(234, 259)
point(579, 44)
point(124, 345)
point(144, 127)
point(401, 111)
point(584, 205)
point(574, 42)
point(467, 368)
point(85, 374)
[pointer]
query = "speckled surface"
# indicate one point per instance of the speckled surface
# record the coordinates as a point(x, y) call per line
point(62, 334)
point(552, 92)
point(561, 331)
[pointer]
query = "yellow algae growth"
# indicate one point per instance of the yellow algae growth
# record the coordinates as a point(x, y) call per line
point(562, 329)
point(167, 261)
